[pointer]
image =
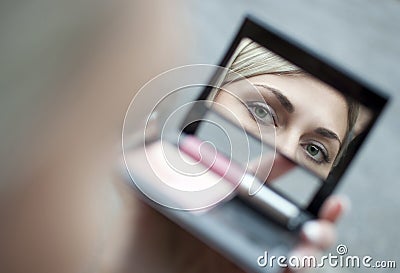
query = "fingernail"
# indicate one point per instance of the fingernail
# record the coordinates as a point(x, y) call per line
point(313, 232)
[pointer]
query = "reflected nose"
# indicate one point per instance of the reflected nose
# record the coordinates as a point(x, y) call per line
point(280, 166)
point(284, 161)
point(287, 143)
point(270, 166)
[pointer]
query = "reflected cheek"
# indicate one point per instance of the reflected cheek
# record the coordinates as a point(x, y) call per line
point(321, 170)
point(270, 167)
point(280, 167)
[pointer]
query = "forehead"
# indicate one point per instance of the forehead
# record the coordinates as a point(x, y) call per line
point(313, 101)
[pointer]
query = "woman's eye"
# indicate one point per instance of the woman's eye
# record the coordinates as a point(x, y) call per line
point(262, 112)
point(316, 153)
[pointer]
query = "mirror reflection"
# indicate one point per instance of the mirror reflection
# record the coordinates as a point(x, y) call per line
point(313, 123)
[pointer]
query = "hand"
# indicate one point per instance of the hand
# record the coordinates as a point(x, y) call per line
point(318, 235)
point(162, 246)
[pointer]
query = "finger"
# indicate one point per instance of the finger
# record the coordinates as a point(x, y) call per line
point(318, 233)
point(333, 207)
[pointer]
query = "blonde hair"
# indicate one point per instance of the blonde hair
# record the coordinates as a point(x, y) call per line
point(251, 59)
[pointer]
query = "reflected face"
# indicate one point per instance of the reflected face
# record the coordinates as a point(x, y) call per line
point(309, 117)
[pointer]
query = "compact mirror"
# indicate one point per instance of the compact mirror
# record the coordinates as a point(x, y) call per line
point(269, 137)
point(302, 129)
point(274, 116)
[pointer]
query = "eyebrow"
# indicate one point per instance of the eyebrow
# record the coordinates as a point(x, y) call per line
point(284, 101)
point(327, 133)
point(290, 109)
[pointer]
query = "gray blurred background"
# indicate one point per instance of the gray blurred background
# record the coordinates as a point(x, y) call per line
point(363, 36)
point(42, 45)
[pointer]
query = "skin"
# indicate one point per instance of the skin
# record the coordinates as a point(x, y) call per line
point(67, 207)
point(164, 247)
point(309, 118)
point(178, 254)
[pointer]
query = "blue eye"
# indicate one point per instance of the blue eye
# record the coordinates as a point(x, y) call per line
point(262, 113)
